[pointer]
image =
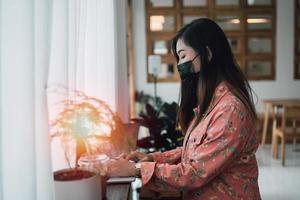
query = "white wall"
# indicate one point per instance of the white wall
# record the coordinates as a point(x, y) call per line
point(1, 184)
point(284, 86)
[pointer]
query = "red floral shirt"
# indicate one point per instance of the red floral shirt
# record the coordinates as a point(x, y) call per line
point(217, 160)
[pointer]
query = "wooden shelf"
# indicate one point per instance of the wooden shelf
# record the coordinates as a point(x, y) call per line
point(240, 35)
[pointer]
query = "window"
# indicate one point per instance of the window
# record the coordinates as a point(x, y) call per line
point(248, 24)
point(297, 40)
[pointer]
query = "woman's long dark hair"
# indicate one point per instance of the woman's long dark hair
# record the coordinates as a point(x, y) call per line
point(203, 34)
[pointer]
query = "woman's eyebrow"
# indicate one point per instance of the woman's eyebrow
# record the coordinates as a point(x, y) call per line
point(178, 52)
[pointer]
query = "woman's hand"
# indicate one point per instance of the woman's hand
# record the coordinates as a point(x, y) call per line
point(139, 157)
point(120, 168)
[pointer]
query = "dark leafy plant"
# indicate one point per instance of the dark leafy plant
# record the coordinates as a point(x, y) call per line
point(160, 119)
point(142, 99)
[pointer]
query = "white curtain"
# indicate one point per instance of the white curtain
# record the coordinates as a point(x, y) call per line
point(88, 53)
point(25, 165)
point(84, 50)
point(77, 44)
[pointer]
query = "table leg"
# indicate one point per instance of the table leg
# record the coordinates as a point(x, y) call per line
point(274, 146)
point(265, 125)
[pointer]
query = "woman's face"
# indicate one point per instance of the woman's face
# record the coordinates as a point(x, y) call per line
point(187, 53)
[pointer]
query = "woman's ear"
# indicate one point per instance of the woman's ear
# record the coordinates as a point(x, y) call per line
point(209, 53)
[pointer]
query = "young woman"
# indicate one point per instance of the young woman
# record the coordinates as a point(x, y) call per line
point(217, 116)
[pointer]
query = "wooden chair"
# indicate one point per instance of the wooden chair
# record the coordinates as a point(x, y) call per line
point(285, 131)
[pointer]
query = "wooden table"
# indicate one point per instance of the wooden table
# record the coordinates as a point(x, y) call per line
point(270, 105)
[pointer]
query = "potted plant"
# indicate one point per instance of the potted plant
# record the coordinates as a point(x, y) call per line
point(160, 118)
point(77, 184)
point(85, 126)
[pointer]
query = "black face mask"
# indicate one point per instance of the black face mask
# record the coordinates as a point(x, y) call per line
point(186, 69)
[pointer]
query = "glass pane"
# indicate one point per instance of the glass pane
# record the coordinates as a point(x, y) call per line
point(167, 70)
point(228, 22)
point(194, 3)
point(227, 2)
point(259, 2)
point(298, 45)
point(190, 18)
point(298, 20)
point(234, 44)
point(162, 3)
point(259, 45)
point(259, 22)
point(161, 23)
point(258, 68)
point(160, 47)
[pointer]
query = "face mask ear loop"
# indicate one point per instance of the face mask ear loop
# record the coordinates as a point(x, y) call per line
point(195, 57)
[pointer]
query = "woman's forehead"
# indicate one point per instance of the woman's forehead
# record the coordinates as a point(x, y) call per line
point(180, 45)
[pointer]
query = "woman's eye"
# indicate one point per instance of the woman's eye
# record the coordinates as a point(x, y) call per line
point(182, 57)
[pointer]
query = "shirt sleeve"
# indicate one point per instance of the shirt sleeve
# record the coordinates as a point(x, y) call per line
point(225, 140)
point(171, 157)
